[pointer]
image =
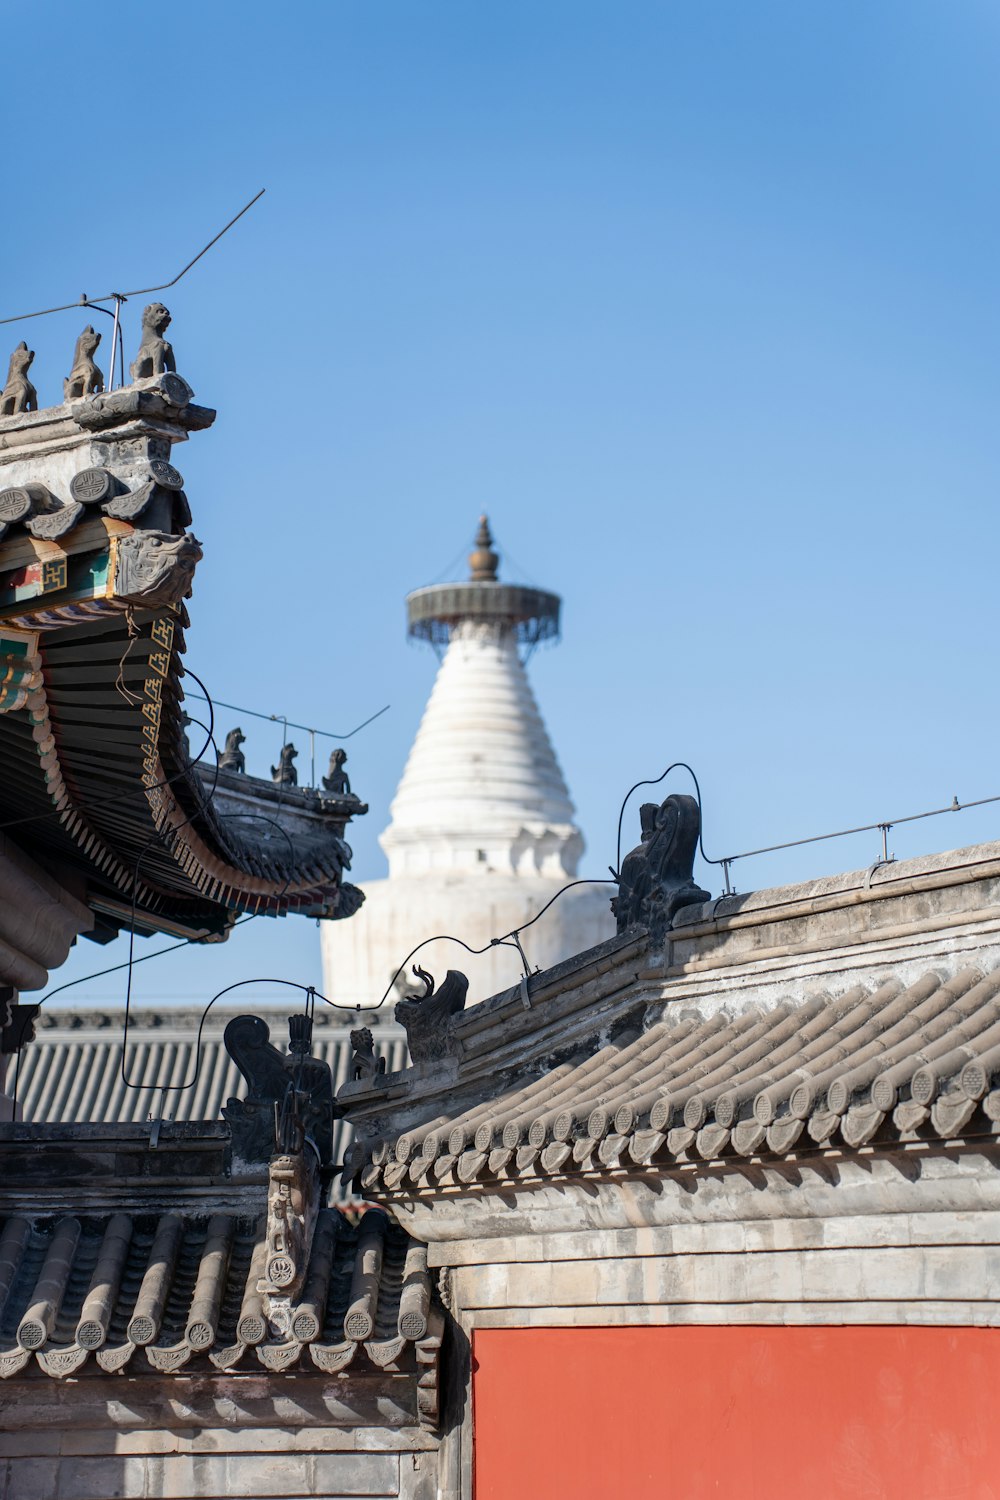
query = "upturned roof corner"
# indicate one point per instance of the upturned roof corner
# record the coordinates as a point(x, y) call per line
point(97, 560)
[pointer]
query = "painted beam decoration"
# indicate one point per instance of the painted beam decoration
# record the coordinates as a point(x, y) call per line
point(20, 668)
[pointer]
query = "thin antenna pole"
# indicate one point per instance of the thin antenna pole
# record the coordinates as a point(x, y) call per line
point(114, 344)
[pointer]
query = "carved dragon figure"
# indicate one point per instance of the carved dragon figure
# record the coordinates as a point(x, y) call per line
point(268, 1074)
point(155, 568)
point(656, 877)
point(426, 1018)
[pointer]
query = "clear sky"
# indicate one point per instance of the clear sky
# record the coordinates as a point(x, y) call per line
point(698, 300)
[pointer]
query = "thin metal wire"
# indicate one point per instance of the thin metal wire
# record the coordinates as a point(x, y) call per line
point(324, 734)
point(677, 765)
point(268, 718)
point(117, 340)
point(450, 567)
point(141, 291)
point(886, 824)
point(509, 939)
point(131, 961)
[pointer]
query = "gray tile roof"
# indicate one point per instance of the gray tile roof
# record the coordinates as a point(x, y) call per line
point(154, 498)
point(879, 1063)
point(72, 1070)
point(169, 1292)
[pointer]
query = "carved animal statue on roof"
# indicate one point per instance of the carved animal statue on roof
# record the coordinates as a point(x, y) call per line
point(656, 877)
point(232, 757)
point(156, 356)
point(85, 379)
point(268, 1073)
point(426, 1018)
point(284, 773)
point(155, 568)
point(19, 394)
point(365, 1064)
point(337, 782)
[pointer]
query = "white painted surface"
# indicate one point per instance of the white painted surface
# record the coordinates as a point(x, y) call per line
point(482, 836)
point(482, 790)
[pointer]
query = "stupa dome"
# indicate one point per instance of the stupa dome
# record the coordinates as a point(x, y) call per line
point(482, 829)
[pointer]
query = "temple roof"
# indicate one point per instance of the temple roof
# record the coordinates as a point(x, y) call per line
point(98, 785)
point(165, 1292)
point(72, 1071)
point(897, 1061)
point(852, 1014)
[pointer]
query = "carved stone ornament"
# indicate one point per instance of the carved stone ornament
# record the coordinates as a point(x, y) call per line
point(268, 1074)
point(19, 394)
point(156, 569)
point(350, 898)
point(166, 474)
point(175, 389)
point(656, 877)
point(336, 781)
point(15, 505)
point(426, 1018)
point(133, 503)
point(56, 523)
point(232, 757)
point(91, 486)
point(84, 379)
point(365, 1064)
point(284, 773)
point(292, 1204)
point(155, 357)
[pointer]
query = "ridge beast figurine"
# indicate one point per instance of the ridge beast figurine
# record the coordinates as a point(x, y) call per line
point(19, 394)
point(84, 379)
point(155, 357)
point(656, 877)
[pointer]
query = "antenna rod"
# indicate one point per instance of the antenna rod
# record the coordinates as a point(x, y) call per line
point(141, 291)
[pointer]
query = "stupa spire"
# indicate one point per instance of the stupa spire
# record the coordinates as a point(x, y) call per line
point(484, 561)
point(482, 789)
point(483, 832)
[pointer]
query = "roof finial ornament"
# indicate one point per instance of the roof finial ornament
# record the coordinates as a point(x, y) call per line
point(156, 356)
point(483, 562)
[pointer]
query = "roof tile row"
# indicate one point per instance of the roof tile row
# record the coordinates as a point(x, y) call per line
point(157, 493)
point(885, 1062)
point(165, 1290)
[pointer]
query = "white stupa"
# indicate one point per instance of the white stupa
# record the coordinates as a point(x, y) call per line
point(482, 832)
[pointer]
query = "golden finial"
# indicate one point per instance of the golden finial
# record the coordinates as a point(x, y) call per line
point(483, 562)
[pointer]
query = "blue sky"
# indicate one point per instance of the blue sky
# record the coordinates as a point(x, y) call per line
point(699, 301)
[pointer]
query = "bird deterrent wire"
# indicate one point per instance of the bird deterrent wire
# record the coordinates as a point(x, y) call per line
point(142, 291)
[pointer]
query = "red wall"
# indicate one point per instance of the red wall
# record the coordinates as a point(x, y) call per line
point(758, 1413)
